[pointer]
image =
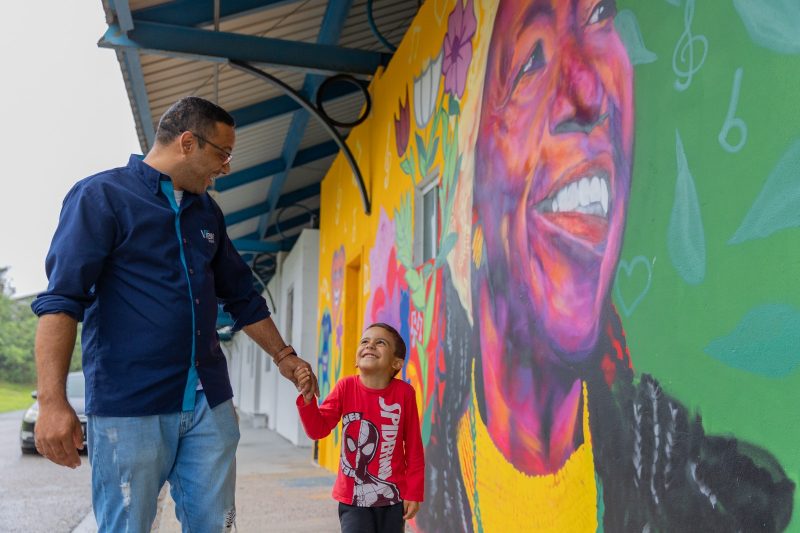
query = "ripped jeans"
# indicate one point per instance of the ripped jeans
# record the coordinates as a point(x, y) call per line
point(195, 451)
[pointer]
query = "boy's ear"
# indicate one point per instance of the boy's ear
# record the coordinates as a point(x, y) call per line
point(397, 363)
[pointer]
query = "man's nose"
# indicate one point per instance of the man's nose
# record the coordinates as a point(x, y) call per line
point(578, 103)
point(226, 168)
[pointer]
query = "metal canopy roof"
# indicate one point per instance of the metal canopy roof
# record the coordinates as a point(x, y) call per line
point(170, 49)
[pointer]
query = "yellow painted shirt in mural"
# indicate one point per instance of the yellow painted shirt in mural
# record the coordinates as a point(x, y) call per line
point(510, 500)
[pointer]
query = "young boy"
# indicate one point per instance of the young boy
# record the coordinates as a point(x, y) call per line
point(382, 466)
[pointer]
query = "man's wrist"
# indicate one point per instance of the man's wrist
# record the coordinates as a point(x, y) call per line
point(283, 353)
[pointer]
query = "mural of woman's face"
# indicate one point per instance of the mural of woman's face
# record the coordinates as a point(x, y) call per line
point(553, 167)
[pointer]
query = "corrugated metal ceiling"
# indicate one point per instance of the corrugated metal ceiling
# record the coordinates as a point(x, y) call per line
point(156, 76)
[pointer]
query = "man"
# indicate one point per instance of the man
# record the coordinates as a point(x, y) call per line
point(141, 255)
point(551, 431)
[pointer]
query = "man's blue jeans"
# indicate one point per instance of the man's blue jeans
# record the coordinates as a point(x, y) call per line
point(195, 451)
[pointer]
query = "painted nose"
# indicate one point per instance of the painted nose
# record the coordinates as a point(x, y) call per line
point(577, 105)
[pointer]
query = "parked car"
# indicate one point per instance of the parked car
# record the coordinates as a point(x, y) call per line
point(76, 395)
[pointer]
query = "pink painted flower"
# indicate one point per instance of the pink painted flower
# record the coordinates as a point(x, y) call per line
point(402, 127)
point(461, 26)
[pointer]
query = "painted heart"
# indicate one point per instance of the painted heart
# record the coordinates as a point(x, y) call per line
point(635, 285)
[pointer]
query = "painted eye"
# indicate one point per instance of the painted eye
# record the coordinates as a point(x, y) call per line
point(535, 61)
point(368, 449)
point(351, 445)
point(603, 10)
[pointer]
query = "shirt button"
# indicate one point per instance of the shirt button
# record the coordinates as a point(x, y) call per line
point(184, 240)
point(191, 271)
point(197, 301)
point(198, 332)
point(197, 363)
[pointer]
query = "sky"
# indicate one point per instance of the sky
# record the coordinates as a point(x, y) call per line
point(66, 115)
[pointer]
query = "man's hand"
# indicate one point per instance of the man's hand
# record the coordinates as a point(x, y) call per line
point(58, 434)
point(292, 367)
point(410, 509)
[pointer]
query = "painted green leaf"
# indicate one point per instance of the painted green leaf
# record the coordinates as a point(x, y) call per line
point(628, 28)
point(407, 166)
point(765, 342)
point(403, 232)
point(414, 280)
point(454, 108)
point(447, 244)
point(426, 423)
point(778, 204)
point(422, 162)
point(432, 153)
point(685, 236)
point(429, 312)
point(774, 24)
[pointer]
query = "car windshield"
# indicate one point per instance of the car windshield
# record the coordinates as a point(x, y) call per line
point(75, 386)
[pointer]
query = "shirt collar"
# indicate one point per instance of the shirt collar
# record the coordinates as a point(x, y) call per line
point(148, 174)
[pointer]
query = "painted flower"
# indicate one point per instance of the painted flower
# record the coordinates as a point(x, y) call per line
point(461, 26)
point(426, 88)
point(402, 127)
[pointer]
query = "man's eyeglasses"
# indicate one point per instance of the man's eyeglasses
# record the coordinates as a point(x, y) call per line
point(228, 155)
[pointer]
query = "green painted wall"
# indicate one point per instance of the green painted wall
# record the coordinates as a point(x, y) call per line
point(752, 387)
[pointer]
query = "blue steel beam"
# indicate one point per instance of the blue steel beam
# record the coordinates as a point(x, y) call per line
point(281, 105)
point(275, 166)
point(200, 13)
point(285, 200)
point(329, 33)
point(135, 79)
point(172, 40)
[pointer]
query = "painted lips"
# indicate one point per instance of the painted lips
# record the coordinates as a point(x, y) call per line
point(581, 206)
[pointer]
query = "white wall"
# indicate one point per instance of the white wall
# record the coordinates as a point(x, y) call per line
point(258, 388)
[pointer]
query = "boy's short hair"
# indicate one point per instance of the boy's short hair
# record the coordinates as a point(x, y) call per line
point(399, 343)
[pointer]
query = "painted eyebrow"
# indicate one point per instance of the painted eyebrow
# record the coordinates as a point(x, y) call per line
point(536, 9)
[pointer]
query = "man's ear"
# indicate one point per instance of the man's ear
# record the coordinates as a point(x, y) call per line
point(187, 141)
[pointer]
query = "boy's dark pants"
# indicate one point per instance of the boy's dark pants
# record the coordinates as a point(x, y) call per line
point(388, 519)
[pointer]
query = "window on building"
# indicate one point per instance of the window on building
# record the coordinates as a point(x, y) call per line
point(426, 226)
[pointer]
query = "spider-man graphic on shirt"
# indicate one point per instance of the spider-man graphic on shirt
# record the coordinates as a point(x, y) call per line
point(359, 446)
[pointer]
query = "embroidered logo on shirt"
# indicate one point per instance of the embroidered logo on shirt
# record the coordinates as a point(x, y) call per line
point(207, 235)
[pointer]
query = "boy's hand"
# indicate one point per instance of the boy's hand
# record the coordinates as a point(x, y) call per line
point(302, 378)
point(292, 367)
point(410, 509)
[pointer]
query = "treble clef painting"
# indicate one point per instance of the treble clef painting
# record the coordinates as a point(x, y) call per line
point(686, 60)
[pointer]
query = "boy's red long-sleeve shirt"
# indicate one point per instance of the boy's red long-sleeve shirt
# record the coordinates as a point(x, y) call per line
point(382, 460)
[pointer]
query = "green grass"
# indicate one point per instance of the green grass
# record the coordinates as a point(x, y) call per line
point(14, 396)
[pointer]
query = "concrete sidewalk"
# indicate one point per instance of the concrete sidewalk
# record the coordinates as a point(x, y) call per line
point(278, 488)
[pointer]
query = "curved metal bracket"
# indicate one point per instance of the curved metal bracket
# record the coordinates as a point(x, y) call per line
point(308, 106)
point(375, 31)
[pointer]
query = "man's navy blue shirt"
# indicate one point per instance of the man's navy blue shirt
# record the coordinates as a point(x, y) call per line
point(145, 277)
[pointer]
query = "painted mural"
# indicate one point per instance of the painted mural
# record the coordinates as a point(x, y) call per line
point(616, 225)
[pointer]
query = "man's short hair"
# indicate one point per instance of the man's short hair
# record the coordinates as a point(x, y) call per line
point(191, 113)
point(399, 343)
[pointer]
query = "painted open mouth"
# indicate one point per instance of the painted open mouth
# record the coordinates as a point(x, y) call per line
point(580, 206)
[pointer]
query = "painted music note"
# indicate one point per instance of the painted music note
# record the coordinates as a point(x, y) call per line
point(685, 62)
point(732, 122)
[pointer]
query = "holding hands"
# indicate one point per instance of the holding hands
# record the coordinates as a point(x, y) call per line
point(306, 383)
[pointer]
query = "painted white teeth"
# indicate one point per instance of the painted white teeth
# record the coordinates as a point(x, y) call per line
point(588, 195)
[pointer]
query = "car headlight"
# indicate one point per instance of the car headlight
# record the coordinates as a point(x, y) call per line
point(31, 414)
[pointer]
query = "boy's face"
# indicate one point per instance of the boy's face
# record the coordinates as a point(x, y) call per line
point(376, 353)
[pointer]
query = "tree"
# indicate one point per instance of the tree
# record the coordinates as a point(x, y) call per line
point(17, 335)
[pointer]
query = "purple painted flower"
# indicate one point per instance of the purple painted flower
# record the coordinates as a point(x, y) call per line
point(461, 25)
point(402, 127)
